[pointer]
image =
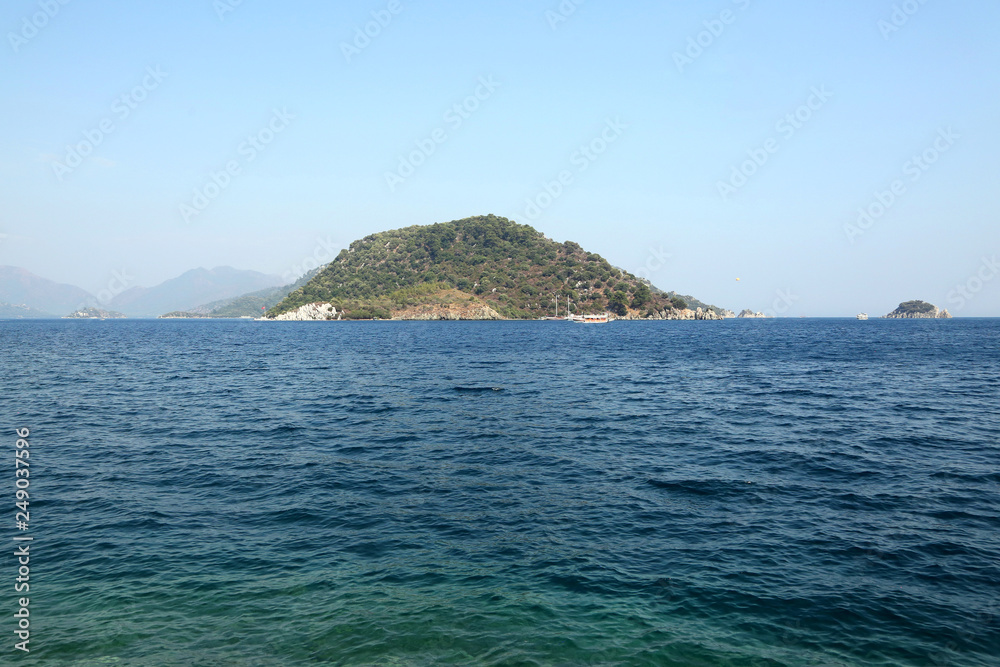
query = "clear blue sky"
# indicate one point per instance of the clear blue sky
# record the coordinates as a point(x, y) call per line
point(654, 187)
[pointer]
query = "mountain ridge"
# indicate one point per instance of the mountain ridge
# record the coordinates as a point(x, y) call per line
point(191, 289)
point(245, 305)
point(42, 297)
point(24, 294)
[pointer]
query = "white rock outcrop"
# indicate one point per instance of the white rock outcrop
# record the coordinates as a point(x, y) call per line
point(671, 314)
point(310, 312)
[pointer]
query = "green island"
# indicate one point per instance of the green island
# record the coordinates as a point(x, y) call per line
point(485, 267)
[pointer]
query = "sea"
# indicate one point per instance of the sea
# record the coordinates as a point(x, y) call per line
point(756, 493)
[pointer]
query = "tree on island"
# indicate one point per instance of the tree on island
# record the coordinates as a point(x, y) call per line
point(618, 303)
point(641, 296)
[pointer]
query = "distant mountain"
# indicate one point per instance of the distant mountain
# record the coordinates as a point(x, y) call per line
point(246, 305)
point(191, 289)
point(492, 265)
point(21, 287)
point(21, 312)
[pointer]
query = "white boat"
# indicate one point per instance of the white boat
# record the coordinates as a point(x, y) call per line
point(862, 316)
point(591, 319)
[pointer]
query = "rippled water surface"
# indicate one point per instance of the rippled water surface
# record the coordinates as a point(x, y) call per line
point(784, 492)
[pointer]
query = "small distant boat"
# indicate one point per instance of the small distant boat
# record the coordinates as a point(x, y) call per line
point(862, 316)
point(591, 319)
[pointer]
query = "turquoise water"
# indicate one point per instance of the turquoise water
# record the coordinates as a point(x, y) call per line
point(807, 492)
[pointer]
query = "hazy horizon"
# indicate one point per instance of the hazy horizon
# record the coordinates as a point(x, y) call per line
point(611, 130)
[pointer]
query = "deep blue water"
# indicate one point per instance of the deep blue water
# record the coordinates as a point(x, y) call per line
point(780, 492)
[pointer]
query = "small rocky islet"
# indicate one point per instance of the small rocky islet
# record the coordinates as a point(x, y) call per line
point(918, 310)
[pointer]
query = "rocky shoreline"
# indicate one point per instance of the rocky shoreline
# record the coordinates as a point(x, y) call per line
point(477, 312)
point(314, 312)
point(673, 314)
point(308, 313)
point(451, 312)
point(937, 314)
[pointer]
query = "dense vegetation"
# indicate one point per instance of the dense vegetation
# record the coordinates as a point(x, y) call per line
point(512, 268)
point(915, 307)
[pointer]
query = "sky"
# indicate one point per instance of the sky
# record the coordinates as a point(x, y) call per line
point(813, 159)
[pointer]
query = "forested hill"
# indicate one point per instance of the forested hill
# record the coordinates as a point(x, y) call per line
point(511, 268)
